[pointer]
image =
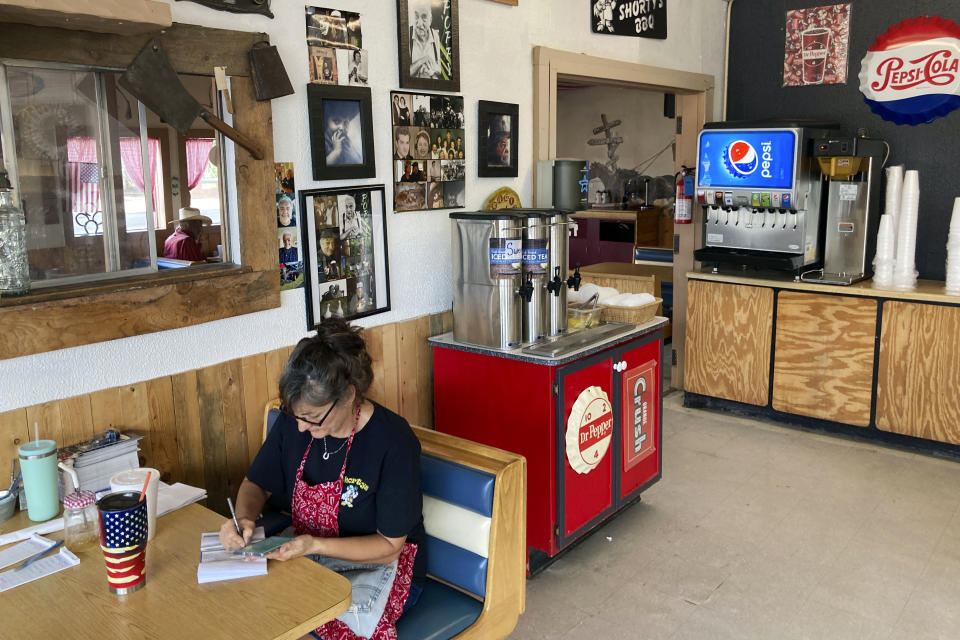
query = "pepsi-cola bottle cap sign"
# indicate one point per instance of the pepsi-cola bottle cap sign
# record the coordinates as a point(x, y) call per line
point(911, 73)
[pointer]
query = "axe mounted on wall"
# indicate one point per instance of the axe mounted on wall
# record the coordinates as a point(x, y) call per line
point(152, 80)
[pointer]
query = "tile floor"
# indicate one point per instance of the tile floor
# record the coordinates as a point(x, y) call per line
point(761, 531)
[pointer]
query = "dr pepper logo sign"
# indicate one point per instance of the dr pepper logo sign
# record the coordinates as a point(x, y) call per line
point(589, 430)
point(911, 74)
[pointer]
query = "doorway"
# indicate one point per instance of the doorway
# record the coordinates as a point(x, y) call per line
point(553, 69)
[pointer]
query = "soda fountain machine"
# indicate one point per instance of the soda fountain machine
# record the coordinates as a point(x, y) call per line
point(761, 190)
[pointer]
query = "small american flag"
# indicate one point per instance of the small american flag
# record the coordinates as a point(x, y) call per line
point(84, 187)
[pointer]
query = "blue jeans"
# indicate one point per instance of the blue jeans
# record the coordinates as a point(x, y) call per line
point(371, 585)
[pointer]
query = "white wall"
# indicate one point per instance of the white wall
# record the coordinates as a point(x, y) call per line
point(643, 128)
point(496, 51)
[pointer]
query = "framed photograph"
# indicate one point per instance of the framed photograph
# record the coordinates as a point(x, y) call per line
point(429, 39)
point(341, 132)
point(429, 151)
point(497, 139)
point(345, 249)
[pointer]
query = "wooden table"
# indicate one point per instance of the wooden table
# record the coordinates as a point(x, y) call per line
point(294, 598)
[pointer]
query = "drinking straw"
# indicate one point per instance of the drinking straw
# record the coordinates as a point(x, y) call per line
point(143, 492)
point(36, 432)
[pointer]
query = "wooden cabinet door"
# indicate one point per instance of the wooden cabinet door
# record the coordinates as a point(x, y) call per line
point(729, 329)
point(918, 377)
point(823, 360)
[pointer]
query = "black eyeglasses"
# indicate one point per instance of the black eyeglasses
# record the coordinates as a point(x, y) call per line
point(286, 411)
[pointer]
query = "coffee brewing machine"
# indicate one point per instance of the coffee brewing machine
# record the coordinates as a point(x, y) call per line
point(761, 192)
point(851, 167)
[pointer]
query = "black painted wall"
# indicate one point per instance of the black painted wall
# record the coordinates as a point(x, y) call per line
point(756, 92)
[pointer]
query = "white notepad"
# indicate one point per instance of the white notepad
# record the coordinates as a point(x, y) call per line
point(41, 568)
point(216, 563)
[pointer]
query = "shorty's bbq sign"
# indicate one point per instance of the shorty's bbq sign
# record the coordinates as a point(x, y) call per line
point(638, 18)
point(911, 74)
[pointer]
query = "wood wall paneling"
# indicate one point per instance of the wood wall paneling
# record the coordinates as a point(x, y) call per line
point(204, 427)
point(728, 338)
point(13, 433)
point(823, 360)
point(255, 395)
point(189, 438)
point(919, 371)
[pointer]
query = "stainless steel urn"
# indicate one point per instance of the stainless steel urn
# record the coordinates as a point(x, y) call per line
point(488, 278)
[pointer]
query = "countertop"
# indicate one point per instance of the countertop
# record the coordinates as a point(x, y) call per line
point(446, 340)
point(926, 291)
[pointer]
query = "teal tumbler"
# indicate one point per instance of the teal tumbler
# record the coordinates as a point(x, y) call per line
point(38, 461)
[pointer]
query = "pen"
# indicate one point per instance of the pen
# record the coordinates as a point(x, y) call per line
point(234, 515)
point(37, 556)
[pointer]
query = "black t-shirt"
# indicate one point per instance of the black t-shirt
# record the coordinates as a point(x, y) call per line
point(381, 485)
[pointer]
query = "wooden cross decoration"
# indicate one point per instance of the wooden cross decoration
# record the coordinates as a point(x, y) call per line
point(612, 142)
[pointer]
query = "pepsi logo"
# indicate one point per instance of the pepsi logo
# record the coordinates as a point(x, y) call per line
point(742, 158)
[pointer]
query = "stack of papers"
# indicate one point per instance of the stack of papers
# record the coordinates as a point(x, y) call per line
point(42, 567)
point(216, 563)
point(171, 497)
point(96, 460)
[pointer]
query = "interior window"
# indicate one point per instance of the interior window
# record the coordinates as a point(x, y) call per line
point(75, 145)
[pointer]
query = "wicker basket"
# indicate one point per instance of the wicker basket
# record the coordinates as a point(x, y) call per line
point(635, 315)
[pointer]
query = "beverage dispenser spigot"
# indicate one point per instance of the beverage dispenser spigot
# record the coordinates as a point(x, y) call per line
point(525, 290)
point(555, 285)
point(573, 282)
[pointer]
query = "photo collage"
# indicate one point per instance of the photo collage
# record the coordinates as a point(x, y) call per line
point(335, 46)
point(429, 150)
point(288, 237)
point(345, 266)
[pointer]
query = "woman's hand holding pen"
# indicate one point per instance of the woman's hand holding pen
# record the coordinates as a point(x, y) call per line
point(228, 533)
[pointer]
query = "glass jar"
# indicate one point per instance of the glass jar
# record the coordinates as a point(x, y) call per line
point(81, 528)
point(14, 268)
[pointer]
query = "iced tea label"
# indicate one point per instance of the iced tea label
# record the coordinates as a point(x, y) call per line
point(506, 256)
point(536, 257)
point(911, 73)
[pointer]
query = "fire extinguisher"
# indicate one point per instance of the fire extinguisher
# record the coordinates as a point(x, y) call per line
point(683, 207)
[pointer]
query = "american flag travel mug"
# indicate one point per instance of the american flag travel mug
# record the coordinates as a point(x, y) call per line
point(123, 539)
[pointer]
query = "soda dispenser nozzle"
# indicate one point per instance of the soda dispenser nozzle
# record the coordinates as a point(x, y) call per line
point(526, 289)
point(556, 284)
point(573, 281)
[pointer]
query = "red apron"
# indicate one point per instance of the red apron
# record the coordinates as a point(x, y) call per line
point(315, 510)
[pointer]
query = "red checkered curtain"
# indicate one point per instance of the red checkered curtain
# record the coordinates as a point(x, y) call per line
point(83, 175)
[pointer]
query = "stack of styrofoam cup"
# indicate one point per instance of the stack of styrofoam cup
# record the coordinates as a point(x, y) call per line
point(891, 205)
point(953, 251)
point(883, 262)
point(905, 271)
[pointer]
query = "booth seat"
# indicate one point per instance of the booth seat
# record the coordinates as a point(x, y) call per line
point(474, 512)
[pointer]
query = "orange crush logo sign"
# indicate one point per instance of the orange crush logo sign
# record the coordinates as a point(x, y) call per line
point(589, 430)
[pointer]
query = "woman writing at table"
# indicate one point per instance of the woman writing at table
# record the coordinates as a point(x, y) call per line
point(349, 470)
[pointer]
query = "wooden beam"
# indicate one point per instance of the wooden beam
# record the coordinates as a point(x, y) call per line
point(60, 324)
point(124, 17)
point(190, 48)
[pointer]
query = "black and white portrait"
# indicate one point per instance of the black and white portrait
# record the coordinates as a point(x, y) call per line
point(354, 220)
point(343, 133)
point(421, 111)
point(328, 254)
point(429, 57)
point(357, 67)
point(400, 111)
point(453, 194)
